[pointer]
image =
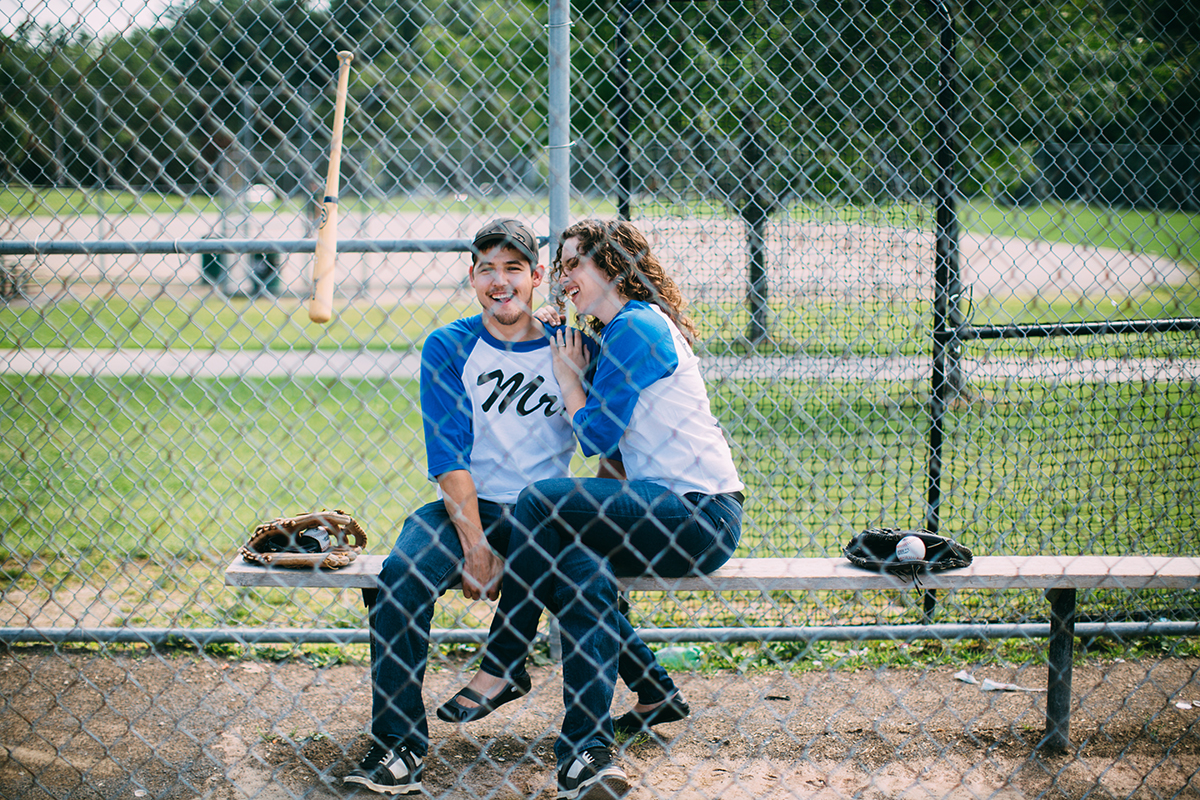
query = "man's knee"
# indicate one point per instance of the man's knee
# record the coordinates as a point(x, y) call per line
point(403, 575)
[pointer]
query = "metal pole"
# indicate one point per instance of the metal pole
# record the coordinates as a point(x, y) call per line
point(946, 376)
point(624, 113)
point(946, 279)
point(559, 107)
point(1122, 631)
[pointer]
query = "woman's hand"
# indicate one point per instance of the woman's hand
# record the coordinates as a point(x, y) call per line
point(569, 359)
point(549, 315)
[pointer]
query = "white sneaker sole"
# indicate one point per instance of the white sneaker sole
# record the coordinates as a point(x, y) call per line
point(360, 780)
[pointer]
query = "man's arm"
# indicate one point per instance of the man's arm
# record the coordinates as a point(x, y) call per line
point(481, 566)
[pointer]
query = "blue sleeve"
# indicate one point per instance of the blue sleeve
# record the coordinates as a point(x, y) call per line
point(445, 404)
point(638, 350)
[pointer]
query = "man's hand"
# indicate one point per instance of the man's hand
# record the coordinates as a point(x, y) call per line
point(481, 572)
point(481, 569)
point(550, 315)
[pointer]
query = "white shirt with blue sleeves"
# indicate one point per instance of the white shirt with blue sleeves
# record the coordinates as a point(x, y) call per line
point(493, 408)
point(648, 407)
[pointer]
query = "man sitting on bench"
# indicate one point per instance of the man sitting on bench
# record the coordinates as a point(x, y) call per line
point(491, 409)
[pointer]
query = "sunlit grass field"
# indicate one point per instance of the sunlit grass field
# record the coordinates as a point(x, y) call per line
point(152, 462)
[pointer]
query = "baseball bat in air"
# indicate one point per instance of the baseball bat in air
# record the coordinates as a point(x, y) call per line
point(320, 305)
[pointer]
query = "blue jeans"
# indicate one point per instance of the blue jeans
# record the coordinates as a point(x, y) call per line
point(572, 539)
point(425, 561)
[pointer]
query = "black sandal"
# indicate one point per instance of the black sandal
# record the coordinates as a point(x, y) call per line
point(453, 711)
point(634, 722)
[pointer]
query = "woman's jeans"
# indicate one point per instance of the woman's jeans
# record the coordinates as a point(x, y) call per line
point(636, 528)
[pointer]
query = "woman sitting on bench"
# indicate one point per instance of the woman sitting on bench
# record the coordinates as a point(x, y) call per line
point(673, 506)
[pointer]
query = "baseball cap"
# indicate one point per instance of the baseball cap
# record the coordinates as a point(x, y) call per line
point(510, 232)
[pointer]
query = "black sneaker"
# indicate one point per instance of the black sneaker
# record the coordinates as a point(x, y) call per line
point(394, 770)
point(592, 775)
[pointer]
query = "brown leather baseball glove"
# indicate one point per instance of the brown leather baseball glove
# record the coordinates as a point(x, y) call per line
point(308, 541)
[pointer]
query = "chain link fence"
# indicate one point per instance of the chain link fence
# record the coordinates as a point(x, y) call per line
point(942, 259)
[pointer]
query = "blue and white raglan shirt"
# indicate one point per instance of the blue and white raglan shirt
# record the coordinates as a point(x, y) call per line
point(648, 407)
point(493, 408)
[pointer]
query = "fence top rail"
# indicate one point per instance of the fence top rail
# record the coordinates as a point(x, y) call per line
point(800, 574)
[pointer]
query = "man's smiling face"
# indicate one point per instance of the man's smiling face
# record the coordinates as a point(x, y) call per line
point(504, 281)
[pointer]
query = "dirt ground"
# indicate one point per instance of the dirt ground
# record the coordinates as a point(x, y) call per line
point(77, 723)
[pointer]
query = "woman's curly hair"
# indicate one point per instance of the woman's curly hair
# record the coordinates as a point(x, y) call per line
point(621, 251)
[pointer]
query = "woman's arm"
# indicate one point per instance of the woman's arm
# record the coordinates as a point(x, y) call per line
point(637, 350)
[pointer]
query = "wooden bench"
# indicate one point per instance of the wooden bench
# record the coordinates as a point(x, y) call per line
point(1058, 576)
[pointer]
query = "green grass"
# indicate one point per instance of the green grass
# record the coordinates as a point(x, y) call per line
point(209, 323)
point(823, 656)
point(1031, 467)
point(147, 485)
point(17, 201)
point(150, 463)
point(1171, 234)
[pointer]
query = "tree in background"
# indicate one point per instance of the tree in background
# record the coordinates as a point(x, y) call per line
point(759, 105)
point(752, 103)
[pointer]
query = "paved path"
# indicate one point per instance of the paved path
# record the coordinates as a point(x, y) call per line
point(403, 365)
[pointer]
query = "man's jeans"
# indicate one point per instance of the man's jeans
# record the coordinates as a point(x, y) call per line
point(572, 538)
point(425, 561)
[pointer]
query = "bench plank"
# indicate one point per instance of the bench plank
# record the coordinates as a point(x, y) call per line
point(801, 574)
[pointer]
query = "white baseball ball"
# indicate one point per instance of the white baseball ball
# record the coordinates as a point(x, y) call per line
point(910, 548)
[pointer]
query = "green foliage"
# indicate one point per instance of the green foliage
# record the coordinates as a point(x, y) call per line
point(835, 99)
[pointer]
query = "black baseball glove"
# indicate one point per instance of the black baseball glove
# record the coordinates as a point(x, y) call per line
point(875, 549)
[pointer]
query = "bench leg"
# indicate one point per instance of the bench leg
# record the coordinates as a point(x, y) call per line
point(1058, 688)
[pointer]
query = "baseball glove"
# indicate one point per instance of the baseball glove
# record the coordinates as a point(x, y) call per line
point(309, 541)
point(875, 549)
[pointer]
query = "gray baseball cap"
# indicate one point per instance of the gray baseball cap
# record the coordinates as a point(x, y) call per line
point(510, 232)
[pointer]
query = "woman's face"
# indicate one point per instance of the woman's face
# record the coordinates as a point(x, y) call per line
point(586, 285)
